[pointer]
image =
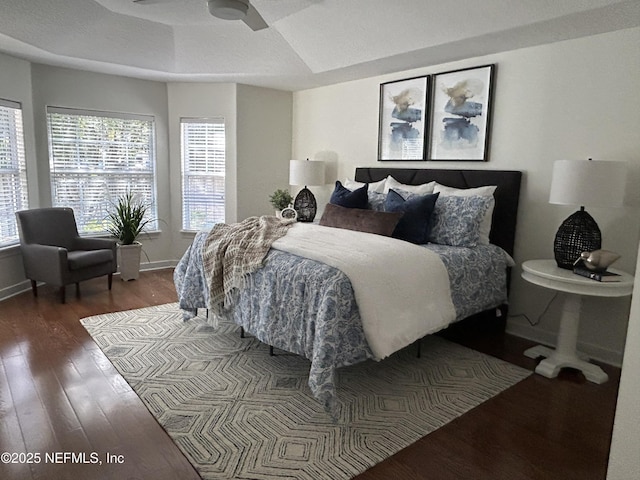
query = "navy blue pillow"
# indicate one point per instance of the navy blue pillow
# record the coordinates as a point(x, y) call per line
point(344, 197)
point(414, 226)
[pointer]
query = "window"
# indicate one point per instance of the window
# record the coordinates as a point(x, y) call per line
point(95, 157)
point(203, 172)
point(13, 171)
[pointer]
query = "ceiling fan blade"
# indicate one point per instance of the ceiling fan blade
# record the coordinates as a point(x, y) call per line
point(254, 20)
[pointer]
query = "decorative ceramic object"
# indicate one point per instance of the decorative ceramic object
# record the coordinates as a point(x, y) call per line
point(598, 260)
point(289, 213)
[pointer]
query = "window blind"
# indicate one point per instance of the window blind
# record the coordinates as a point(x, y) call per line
point(203, 172)
point(13, 171)
point(96, 157)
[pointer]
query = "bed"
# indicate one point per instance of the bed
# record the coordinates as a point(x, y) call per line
point(338, 309)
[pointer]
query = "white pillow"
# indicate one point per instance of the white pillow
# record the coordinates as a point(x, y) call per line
point(487, 191)
point(422, 189)
point(377, 187)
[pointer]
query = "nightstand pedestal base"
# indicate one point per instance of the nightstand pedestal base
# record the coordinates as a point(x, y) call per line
point(565, 355)
point(550, 367)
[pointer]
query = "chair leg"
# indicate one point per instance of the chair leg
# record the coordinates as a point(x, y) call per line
point(63, 294)
point(34, 288)
point(110, 280)
point(77, 289)
point(271, 354)
point(241, 332)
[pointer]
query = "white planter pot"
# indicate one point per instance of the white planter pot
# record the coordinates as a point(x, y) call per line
point(129, 260)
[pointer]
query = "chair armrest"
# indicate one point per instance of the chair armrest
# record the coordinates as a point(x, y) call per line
point(45, 263)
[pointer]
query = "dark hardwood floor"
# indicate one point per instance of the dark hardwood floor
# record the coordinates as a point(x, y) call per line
point(59, 393)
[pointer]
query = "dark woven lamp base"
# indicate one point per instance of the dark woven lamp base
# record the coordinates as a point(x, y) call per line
point(305, 205)
point(578, 233)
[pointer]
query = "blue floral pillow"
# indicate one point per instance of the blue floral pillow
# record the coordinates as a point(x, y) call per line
point(456, 220)
point(344, 197)
point(415, 224)
point(376, 201)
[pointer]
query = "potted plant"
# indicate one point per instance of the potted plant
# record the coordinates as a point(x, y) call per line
point(126, 222)
point(280, 199)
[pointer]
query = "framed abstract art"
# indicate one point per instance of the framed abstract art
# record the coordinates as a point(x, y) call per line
point(403, 119)
point(461, 114)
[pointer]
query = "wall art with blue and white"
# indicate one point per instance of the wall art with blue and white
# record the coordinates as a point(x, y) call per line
point(460, 115)
point(403, 119)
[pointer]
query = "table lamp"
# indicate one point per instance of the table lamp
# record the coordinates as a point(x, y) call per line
point(583, 182)
point(305, 172)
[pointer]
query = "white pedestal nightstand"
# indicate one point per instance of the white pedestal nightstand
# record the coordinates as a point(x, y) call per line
point(547, 274)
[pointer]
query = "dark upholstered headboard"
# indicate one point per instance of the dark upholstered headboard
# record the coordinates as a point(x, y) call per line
point(507, 194)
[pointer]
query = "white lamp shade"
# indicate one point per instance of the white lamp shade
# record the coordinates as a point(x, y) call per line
point(591, 183)
point(306, 172)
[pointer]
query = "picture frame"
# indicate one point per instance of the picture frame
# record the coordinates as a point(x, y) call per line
point(461, 104)
point(403, 116)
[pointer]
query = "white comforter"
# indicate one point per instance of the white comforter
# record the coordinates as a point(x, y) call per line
point(402, 289)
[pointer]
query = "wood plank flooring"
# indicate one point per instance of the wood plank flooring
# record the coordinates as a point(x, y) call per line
point(59, 393)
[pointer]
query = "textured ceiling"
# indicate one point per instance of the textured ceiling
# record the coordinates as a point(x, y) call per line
point(309, 42)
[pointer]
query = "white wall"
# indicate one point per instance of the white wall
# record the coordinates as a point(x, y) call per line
point(264, 147)
point(574, 99)
point(624, 461)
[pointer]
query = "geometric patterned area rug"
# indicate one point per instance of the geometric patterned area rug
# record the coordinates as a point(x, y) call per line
point(237, 412)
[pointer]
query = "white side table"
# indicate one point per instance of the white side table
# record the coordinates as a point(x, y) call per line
point(547, 274)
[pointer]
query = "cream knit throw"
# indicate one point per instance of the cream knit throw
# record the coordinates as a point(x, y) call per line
point(231, 252)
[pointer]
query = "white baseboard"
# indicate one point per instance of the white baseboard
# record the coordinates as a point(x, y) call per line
point(16, 289)
point(158, 265)
point(548, 338)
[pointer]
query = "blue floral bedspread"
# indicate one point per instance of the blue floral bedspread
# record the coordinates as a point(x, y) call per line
point(309, 308)
point(477, 276)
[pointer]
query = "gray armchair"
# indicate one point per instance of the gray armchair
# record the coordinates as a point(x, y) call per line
point(54, 253)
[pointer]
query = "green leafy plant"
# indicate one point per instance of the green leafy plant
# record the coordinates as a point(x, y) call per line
point(127, 220)
point(280, 199)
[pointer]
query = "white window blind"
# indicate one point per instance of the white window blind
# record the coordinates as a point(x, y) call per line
point(203, 172)
point(13, 171)
point(95, 157)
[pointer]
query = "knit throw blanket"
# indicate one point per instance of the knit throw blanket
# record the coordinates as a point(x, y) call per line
point(231, 252)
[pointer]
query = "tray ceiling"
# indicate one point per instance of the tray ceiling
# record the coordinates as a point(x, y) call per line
point(308, 43)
